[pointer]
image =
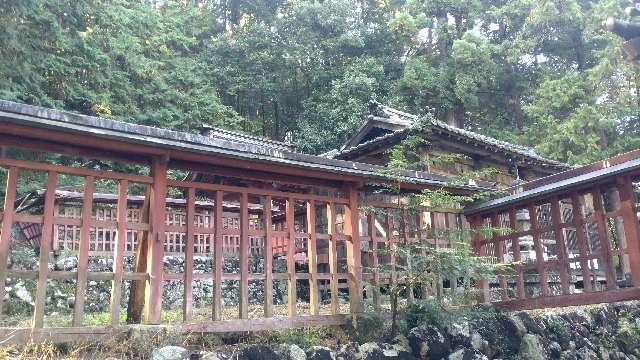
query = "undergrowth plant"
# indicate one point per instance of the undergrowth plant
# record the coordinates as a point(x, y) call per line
point(421, 266)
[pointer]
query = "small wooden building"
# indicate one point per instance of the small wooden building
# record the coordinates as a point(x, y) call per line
point(385, 127)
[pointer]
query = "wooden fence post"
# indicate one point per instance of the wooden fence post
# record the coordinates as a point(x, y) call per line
point(268, 259)
point(118, 254)
point(631, 227)
point(135, 307)
point(187, 305)
point(354, 264)
point(45, 248)
point(5, 232)
point(155, 255)
point(83, 250)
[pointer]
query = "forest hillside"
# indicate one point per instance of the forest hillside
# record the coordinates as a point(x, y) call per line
point(538, 72)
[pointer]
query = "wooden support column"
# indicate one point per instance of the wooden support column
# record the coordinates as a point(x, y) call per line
point(579, 224)
point(517, 257)
point(631, 227)
point(371, 220)
point(405, 239)
point(560, 244)
point(138, 287)
point(45, 247)
point(535, 227)
point(268, 259)
point(217, 259)
point(480, 250)
point(498, 246)
point(244, 256)
point(354, 265)
point(605, 259)
point(155, 259)
point(118, 254)
point(187, 304)
point(291, 250)
point(83, 251)
point(314, 295)
point(333, 256)
point(5, 232)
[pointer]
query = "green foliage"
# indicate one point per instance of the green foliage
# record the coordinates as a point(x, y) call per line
point(369, 326)
point(542, 73)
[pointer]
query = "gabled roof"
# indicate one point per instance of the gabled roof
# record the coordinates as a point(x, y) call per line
point(386, 126)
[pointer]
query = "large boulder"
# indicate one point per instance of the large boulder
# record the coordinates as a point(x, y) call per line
point(349, 351)
point(291, 352)
point(170, 353)
point(320, 353)
point(255, 352)
point(467, 354)
point(428, 342)
point(530, 348)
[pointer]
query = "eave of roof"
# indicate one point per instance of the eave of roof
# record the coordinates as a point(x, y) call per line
point(435, 125)
point(554, 187)
point(45, 118)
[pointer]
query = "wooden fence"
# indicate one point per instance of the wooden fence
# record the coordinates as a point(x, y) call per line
point(309, 237)
point(574, 238)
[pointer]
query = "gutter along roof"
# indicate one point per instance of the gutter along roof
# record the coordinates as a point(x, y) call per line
point(176, 144)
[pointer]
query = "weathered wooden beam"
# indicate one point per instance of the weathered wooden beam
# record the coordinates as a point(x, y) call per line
point(5, 231)
point(268, 258)
point(118, 254)
point(135, 308)
point(291, 263)
point(244, 256)
point(631, 226)
point(83, 251)
point(217, 259)
point(314, 295)
point(155, 262)
point(187, 304)
point(45, 247)
point(354, 263)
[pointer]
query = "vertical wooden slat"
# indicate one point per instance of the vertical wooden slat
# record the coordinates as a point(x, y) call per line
point(354, 264)
point(371, 219)
point(605, 259)
point(244, 256)
point(391, 246)
point(268, 259)
point(5, 232)
point(118, 254)
point(187, 304)
point(333, 256)
point(517, 257)
point(314, 296)
point(45, 247)
point(543, 278)
point(135, 309)
point(83, 250)
point(476, 226)
point(405, 239)
point(579, 224)
point(560, 244)
point(631, 226)
point(155, 262)
point(499, 252)
point(217, 262)
point(291, 248)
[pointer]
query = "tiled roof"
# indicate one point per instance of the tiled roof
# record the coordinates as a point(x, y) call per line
point(209, 147)
point(383, 113)
point(244, 138)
